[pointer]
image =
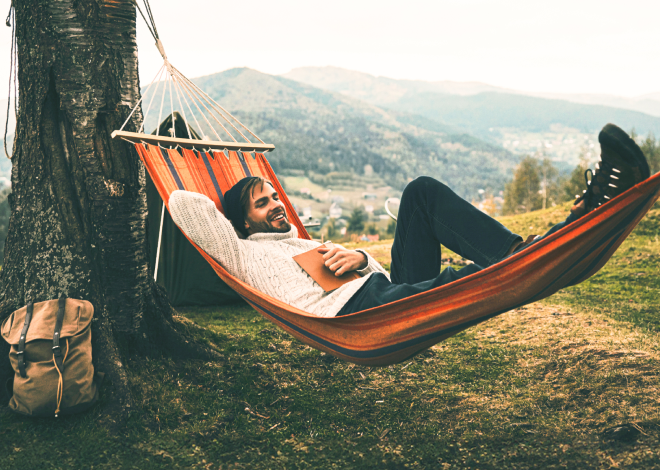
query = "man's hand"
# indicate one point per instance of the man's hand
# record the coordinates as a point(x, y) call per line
point(340, 260)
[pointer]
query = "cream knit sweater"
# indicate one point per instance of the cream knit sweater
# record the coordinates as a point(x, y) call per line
point(263, 260)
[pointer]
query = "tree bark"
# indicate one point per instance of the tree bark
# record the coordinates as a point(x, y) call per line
point(78, 203)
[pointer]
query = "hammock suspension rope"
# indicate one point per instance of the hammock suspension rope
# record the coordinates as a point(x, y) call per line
point(13, 72)
point(229, 132)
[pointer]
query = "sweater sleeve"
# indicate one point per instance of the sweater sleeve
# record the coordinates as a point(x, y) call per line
point(373, 266)
point(197, 216)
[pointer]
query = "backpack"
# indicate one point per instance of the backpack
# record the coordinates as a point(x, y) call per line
point(51, 354)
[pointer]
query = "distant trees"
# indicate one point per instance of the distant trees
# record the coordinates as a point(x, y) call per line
point(334, 178)
point(549, 179)
point(331, 228)
point(356, 220)
point(575, 183)
point(651, 148)
point(522, 194)
point(536, 185)
point(391, 227)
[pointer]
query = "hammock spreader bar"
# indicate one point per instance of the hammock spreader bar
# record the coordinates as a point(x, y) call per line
point(192, 144)
point(394, 332)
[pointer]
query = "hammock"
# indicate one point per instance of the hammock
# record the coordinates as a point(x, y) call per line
point(396, 331)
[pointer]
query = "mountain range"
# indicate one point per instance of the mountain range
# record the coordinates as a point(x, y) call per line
point(385, 91)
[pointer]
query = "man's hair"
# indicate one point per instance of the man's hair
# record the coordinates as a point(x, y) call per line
point(246, 195)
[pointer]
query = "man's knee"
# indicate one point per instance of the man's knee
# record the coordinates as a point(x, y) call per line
point(423, 186)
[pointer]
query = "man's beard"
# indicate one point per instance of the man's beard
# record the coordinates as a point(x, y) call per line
point(267, 226)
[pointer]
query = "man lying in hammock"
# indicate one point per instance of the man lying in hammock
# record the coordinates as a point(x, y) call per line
point(430, 214)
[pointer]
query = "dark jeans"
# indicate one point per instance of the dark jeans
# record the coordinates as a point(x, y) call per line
point(431, 214)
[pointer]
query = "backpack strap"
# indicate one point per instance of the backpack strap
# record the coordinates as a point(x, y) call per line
point(21, 341)
point(57, 352)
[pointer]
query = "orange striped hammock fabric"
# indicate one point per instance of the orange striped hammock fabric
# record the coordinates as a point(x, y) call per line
point(394, 332)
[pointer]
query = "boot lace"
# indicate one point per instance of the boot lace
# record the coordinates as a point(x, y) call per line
point(600, 185)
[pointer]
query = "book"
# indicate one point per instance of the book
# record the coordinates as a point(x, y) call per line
point(312, 262)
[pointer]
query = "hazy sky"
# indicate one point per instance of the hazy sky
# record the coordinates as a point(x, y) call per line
point(578, 46)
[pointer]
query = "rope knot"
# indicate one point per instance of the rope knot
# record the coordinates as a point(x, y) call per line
point(161, 49)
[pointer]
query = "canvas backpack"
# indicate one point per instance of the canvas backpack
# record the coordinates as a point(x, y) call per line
point(51, 354)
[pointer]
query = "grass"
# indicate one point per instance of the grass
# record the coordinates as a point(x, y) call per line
point(570, 382)
point(628, 287)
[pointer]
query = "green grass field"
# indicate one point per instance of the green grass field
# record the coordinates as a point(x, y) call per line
point(569, 382)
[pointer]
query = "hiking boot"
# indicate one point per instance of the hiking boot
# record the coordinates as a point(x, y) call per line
point(616, 144)
point(622, 166)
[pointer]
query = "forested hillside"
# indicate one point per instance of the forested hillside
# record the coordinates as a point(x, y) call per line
point(320, 131)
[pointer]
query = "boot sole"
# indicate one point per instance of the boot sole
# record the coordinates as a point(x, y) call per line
point(617, 140)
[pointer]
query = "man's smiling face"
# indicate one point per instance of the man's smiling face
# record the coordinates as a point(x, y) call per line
point(266, 213)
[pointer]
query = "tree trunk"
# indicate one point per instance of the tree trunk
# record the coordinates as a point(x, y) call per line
point(78, 204)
